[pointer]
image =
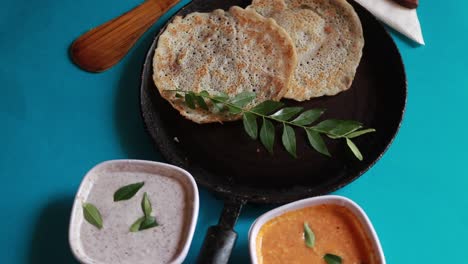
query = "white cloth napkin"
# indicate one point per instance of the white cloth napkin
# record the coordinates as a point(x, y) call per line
point(400, 18)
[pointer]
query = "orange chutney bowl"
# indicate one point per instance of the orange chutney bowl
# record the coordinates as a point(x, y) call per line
point(324, 229)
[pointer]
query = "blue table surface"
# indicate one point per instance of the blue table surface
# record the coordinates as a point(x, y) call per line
point(57, 121)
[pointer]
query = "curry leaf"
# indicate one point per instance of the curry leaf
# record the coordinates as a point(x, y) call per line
point(360, 133)
point(204, 94)
point(317, 142)
point(222, 96)
point(242, 99)
point(146, 205)
point(234, 109)
point(201, 102)
point(308, 117)
point(338, 128)
point(218, 100)
point(250, 124)
point(332, 259)
point(148, 222)
point(136, 226)
point(354, 149)
point(239, 101)
point(218, 107)
point(309, 236)
point(289, 140)
point(267, 135)
point(286, 113)
point(92, 215)
point(267, 107)
point(190, 100)
point(128, 191)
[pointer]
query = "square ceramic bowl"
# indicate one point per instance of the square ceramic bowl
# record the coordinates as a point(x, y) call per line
point(124, 169)
point(327, 199)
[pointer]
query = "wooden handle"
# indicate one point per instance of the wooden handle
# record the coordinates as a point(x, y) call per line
point(102, 47)
point(412, 4)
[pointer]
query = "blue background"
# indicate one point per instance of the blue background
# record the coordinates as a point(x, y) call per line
point(58, 121)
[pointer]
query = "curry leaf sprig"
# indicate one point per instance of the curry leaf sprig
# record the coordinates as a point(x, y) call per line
point(272, 111)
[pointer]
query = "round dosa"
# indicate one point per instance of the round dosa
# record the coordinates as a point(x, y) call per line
point(328, 38)
point(223, 52)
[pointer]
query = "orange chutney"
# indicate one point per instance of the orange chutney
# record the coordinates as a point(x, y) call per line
point(337, 231)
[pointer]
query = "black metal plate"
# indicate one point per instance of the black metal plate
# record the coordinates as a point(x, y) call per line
point(225, 160)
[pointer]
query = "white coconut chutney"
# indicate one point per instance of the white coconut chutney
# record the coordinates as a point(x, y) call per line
point(172, 206)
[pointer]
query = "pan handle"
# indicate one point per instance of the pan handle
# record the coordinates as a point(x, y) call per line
point(221, 238)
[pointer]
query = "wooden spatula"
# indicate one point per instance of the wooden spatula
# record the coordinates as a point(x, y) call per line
point(412, 4)
point(102, 47)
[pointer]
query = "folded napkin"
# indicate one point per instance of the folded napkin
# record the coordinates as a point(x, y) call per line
point(400, 18)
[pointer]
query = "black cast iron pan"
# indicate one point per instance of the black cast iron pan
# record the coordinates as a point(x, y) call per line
point(223, 159)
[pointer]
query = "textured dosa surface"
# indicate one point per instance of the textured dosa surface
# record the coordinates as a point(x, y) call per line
point(228, 52)
point(328, 38)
